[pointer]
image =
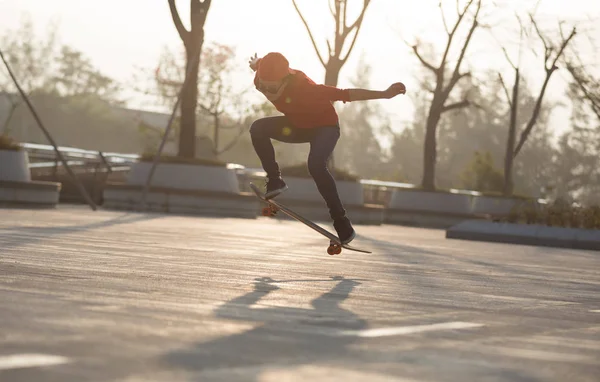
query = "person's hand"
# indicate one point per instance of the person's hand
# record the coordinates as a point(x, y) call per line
point(253, 62)
point(395, 89)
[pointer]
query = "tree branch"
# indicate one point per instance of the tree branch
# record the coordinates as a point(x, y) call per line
point(456, 105)
point(455, 75)
point(582, 82)
point(425, 63)
point(359, 19)
point(547, 47)
point(453, 32)
point(339, 31)
point(443, 18)
point(508, 58)
point(358, 25)
point(331, 10)
point(549, 71)
point(505, 90)
point(345, 17)
point(454, 80)
point(204, 6)
point(563, 46)
point(312, 39)
point(183, 33)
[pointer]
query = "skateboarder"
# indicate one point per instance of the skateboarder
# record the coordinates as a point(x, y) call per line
point(308, 117)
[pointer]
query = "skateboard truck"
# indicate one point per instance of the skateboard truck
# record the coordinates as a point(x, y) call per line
point(334, 248)
point(270, 210)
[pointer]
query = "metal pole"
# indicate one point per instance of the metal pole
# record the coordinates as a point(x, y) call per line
point(105, 162)
point(142, 206)
point(77, 182)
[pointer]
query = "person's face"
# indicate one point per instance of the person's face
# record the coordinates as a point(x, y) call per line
point(273, 89)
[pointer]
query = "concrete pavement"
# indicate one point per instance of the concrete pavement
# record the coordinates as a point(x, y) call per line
point(104, 296)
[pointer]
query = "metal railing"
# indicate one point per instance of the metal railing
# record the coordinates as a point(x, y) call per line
point(44, 156)
point(93, 168)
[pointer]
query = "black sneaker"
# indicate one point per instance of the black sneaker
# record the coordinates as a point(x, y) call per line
point(344, 230)
point(275, 187)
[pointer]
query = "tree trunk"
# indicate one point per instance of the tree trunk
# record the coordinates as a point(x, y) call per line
point(430, 146)
point(510, 144)
point(216, 126)
point(192, 40)
point(189, 100)
point(332, 71)
point(332, 74)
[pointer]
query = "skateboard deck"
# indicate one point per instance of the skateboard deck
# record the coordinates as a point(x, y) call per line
point(335, 245)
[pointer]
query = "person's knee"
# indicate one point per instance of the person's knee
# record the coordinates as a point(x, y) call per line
point(257, 127)
point(317, 166)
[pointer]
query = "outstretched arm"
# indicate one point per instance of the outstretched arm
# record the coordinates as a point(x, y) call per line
point(253, 62)
point(365, 95)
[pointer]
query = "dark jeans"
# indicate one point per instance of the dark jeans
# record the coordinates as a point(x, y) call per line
point(322, 142)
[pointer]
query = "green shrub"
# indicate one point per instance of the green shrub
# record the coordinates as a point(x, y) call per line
point(149, 157)
point(557, 214)
point(301, 171)
point(8, 143)
point(590, 217)
point(481, 174)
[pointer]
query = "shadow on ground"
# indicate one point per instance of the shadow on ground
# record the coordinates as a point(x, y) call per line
point(284, 336)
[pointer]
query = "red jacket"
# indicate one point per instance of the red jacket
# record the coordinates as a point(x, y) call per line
point(307, 104)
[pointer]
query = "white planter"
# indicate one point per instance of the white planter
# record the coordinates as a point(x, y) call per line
point(14, 166)
point(185, 177)
point(526, 234)
point(436, 202)
point(305, 189)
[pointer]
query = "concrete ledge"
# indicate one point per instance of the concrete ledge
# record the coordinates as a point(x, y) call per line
point(15, 166)
point(318, 211)
point(423, 218)
point(524, 234)
point(444, 209)
point(33, 193)
point(169, 200)
point(186, 177)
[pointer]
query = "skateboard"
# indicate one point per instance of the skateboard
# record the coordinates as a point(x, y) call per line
point(335, 245)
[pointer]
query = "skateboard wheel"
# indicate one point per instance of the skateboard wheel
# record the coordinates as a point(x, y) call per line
point(334, 249)
point(266, 211)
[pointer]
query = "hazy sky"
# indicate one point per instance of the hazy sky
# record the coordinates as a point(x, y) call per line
point(122, 35)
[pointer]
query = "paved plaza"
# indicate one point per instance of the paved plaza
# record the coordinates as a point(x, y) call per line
point(117, 296)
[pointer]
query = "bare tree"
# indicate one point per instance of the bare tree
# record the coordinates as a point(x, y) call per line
point(587, 84)
point(443, 86)
point(192, 41)
point(552, 54)
point(513, 103)
point(219, 100)
point(550, 60)
point(216, 90)
point(335, 59)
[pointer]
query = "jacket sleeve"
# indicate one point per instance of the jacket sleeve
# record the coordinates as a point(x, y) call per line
point(330, 93)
